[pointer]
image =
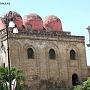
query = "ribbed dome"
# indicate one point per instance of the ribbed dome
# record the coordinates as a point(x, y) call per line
point(16, 17)
point(2, 24)
point(52, 23)
point(34, 20)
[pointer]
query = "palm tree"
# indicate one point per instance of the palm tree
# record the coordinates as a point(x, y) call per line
point(14, 74)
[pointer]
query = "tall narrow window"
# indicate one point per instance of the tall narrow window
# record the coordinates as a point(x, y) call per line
point(72, 55)
point(30, 53)
point(52, 54)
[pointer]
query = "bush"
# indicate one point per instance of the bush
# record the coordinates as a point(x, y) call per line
point(85, 85)
point(78, 87)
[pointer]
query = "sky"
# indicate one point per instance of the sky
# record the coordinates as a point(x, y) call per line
point(74, 14)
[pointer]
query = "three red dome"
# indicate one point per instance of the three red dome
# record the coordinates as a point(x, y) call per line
point(50, 23)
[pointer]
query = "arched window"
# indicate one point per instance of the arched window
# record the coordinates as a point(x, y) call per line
point(52, 54)
point(30, 53)
point(72, 55)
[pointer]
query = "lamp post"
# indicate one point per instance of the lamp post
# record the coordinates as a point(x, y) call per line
point(88, 28)
point(10, 25)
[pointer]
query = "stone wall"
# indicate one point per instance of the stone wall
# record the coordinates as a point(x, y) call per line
point(41, 67)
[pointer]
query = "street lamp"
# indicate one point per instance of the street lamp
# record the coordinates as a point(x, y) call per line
point(88, 28)
point(10, 25)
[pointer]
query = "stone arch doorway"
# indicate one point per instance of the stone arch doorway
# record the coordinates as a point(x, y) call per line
point(74, 79)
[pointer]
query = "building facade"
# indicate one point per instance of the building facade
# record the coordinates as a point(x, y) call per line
point(45, 52)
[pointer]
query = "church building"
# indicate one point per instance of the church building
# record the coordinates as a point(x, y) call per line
point(42, 49)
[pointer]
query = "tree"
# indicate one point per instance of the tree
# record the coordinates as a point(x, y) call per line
point(14, 74)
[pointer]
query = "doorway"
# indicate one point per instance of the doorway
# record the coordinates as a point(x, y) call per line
point(74, 79)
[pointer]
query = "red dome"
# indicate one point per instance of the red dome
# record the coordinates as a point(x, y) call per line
point(2, 24)
point(52, 23)
point(17, 18)
point(34, 20)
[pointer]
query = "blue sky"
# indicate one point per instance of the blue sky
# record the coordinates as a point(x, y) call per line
point(74, 14)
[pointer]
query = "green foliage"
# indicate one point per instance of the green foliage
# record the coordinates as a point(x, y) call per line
point(78, 87)
point(85, 85)
point(15, 73)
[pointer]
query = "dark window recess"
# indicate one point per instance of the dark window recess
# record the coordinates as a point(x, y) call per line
point(30, 53)
point(72, 55)
point(52, 54)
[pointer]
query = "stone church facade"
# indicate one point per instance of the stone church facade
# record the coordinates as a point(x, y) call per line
point(45, 52)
